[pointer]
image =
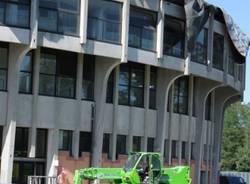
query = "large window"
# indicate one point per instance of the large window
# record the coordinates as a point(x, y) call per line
point(104, 20)
point(65, 140)
point(121, 145)
point(88, 78)
point(142, 29)
point(152, 88)
point(21, 142)
point(85, 142)
point(15, 13)
point(199, 53)
point(174, 37)
point(25, 74)
point(59, 16)
point(218, 51)
point(57, 73)
point(131, 84)
point(3, 68)
point(181, 95)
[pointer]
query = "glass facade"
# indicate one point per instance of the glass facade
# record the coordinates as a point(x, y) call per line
point(88, 78)
point(142, 29)
point(15, 13)
point(59, 16)
point(174, 37)
point(181, 95)
point(25, 74)
point(57, 73)
point(218, 51)
point(3, 68)
point(104, 21)
point(199, 53)
point(131, 84)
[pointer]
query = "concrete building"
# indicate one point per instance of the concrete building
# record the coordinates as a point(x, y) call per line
point(85, 82)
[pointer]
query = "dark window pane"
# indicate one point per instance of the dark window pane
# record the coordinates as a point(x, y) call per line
point(48, 64)
point(123, 95)
point(152, 88)
point(68, 23)
point(174, 38)
point(21, 142)
point(48, 20)
point(3, 79)
point(134, 36)
point(69, 4)
point(47, 85)
point(41, 143)
point(208, 107)
point(2, 12)
point(183, 150)
point(85, 142)
point(192, 150)
point(3, 58)
point(26, 65)
point(21, 171)
point(17, 15)
point(110, 88)
point(136, 96)
point(137, 77)
point(218, 51)
point(105, 146)
point(136, 143)
point(65, 87)
point(65, 140)
point(150, 146)
point(152, 99)
point(121, 145)
point(124, 75)
point(25, 82)
point(174, 149)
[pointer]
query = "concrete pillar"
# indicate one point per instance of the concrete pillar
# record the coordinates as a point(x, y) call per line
point(83, 21)
point(17, 54)
point(104, 67)
point(32, 130)
point(115, 112)
point(165, 79)
point(201, 96)
point(125, 30)
point(52, 153)
point(34, 23)
point(160, 30)
point(210, 42)
point(222, 95)
point(146, 107)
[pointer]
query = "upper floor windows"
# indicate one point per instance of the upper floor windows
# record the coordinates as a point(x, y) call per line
point(59, 16)
point(142, 29)
point(178, 2)
point(104, 21)
point(181, 95)
point(174, 37)
point(88, 78)
point(199, 53)
point(3, 67)
point(131, 84)
point(57, 73)
point(15, 13)
point(152, 88)
point(25, 74)
point(218, 51)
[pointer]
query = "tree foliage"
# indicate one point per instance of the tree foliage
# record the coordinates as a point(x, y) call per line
point(235, 155)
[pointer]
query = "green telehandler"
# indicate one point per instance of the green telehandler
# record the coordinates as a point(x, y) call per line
point(141, 168)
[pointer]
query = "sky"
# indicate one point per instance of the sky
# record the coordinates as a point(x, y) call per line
point(240, 12)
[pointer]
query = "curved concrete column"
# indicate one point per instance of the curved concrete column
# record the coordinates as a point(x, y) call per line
point(15, 59)
point(104, 67)
point(224, 96)
point(203, 88)
point(164, 81)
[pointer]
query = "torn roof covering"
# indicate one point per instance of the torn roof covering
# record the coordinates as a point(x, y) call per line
point(197, 13)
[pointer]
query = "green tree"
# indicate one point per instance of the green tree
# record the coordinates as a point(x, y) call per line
point(235, 142)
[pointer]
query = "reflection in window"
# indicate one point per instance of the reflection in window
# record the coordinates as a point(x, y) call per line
point(15, 13)
point(57, 73)
point(142, 29)
point(21, 142)
point(152, 88)
point(85, 142)
point(25, 74)
point(218, 51)
point(65, 140)
point(181, 95)
point(121, 145)
point(131, 84)
point(3, 68)
point(88, 77)
point(199, 53)
point(104, 20)
point(174, 37)
point(59, 16)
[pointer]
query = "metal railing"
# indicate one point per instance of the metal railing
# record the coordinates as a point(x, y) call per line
point(42, 180)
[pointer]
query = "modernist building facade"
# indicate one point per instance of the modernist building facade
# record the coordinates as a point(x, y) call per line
point(85, 82)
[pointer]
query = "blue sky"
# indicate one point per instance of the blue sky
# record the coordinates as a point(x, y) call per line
point(240, 11)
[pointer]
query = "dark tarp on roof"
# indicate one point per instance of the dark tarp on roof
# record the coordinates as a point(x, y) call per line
point(197, 14)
